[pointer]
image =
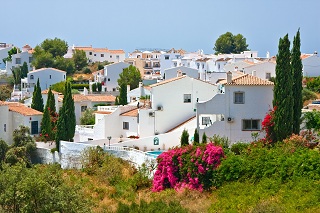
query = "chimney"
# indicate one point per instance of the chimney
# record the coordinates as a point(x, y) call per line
point(128, 87)
point(229, 77)
point(254, 73)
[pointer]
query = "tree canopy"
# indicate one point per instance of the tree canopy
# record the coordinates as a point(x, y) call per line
point(11, 52)
point(229, 43)
point(37, 100)
point(80, 59)
point(130, 76)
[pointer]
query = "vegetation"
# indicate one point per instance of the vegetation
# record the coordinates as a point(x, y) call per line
point(196, 137)
point(123, 95)
point(204, 138)
point(24, 70)
point(130, 76)
point(308, 95)
point(296, 67)
point(184, 140)
point(229, 43)
point(87, 117)
point(37, 100)
point(11, 52)
point(67, 119)
point(5, 92)
point(80, 59)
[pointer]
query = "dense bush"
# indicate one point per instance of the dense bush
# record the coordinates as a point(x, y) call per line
point(153, 206)
point(187, 167)
point(308, 95)
point(79, 86)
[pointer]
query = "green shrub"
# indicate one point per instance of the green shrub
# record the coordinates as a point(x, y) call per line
point(184, 140)
point(239, 148)
point(79, 86)
point(153, 206)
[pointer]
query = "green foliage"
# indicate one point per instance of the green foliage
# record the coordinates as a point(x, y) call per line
point(123, 95)
point(229, 43)
point(283, 94)
point(314, 85)
point(3, 149)
point(16, 73)
point(42, 59)
point(5, 92)
point(88, 117)
point(217, 141)
point(37, 100)
point(24, 70)
point(116, 102)
point(312, 120)
point(94, 87)
point(204, 138)
point(239, 148)
point(86, 70)
point(130, 76)
point(308, 95)
point(56, 47)
point(296, 67)
point(79, 86)
point(39, 189)
point(65, 64)
point(80, 59)
point(184, 140)
point(196, 137)
point(11, 52)
point(67, 120)
point(99, 87)
point(100, 66)
point(153, 206)
point(58, 87)
point(46, 126)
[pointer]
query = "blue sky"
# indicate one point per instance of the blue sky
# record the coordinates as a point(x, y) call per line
point(131, 24)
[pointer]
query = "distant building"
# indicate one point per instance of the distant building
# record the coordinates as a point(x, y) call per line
point(102, 54)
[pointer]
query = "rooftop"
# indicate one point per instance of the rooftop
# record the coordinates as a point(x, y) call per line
point(22, 109)
point(248, 80)
point(131, 113)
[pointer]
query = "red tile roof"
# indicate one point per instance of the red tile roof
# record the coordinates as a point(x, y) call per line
point(23, 110)
point(248, 80)
point(131, 113)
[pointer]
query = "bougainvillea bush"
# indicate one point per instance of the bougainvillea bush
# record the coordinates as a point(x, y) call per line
point(187, 167)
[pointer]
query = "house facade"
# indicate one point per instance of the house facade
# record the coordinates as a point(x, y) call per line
point(111, 75)
point(173, 72)
point(311, 65)
point(238, 112)
point(19, 58)
point(102, 54)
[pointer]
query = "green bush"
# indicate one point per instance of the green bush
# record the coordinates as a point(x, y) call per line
point(79, 86)
point(239, 148)
point(153, 206)
point(308, 95)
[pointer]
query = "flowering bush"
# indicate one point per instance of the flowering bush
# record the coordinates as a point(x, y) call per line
point(187, 167)
point(267, 126)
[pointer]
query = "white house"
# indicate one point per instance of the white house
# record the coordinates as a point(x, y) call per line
point(311, 65)
point(137, 93)
point(264, 70)
point(166, 58)
point(14, 115)
point(239, 111)
point(173, 72)
point(102, 54)
point(111, 75)
point(46, 76)
point(19, 58)
point(4, 49)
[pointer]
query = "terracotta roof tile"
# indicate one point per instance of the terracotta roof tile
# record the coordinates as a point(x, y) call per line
point(248, 80)
point(47, 90)
point(304, 56)
point(98, 71)
point(103, 112)
point(105, 50)
point(131, 113)
point(204, 59)
point(23, 110)
point(94, 98)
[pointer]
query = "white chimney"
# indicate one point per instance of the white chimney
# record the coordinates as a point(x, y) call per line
point(268, 54)
point(254, 73)
point(229, 77)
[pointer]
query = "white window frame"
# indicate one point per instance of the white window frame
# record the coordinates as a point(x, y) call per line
point(250, 127)
point(237, 99)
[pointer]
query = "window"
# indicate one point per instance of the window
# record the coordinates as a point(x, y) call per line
point(18, 60)
point(102, 55)
point(34, 127)
point(83, 108)
point(198, 65)
point(166, 57)
point(125, 125)
point(117, 56)
point(268, 75)
point(50, 76)
point(94, 54)
point(90, 53)
point(108, 79)
point(31, 77)
point(187, 98)
point(110, 56)
point(250, 124)
point(238, 98)
point(30, 59)
point(205, 120)
point(64, 76)
point(175, 64)
point(5, 127)
point(202, 66)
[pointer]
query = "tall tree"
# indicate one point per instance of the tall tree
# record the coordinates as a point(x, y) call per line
point(283, 94)
point(296, 67)
point(51, 102)
point(67, 120)
point(184, 140)
point(123, 95)
point(65, 64)
point(56, 47)
point(196, 137)
point(229, 43)
point(11, 52)
point(130, 76)
point(204, 138)
point(46, 127)
point(24, 70)
point(80, 59)
point(37, 101)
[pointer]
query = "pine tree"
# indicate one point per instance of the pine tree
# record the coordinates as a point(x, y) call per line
point(196, 137)
point(67, 120)
point(204, 138)
point(283, 94)
point(123, 95)
point(184, 140)
point(296, 67)
point(37, 101)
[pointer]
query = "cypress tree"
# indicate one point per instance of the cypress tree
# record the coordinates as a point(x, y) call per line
point(204, 138)
point(24, 70)
point(184, 140)
point(296, 67)
point(67, 120)
point(51, 102)
point(123, 95)
point(37, 101)
point(283, 94)
point(196, 137)
point(46, 128)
